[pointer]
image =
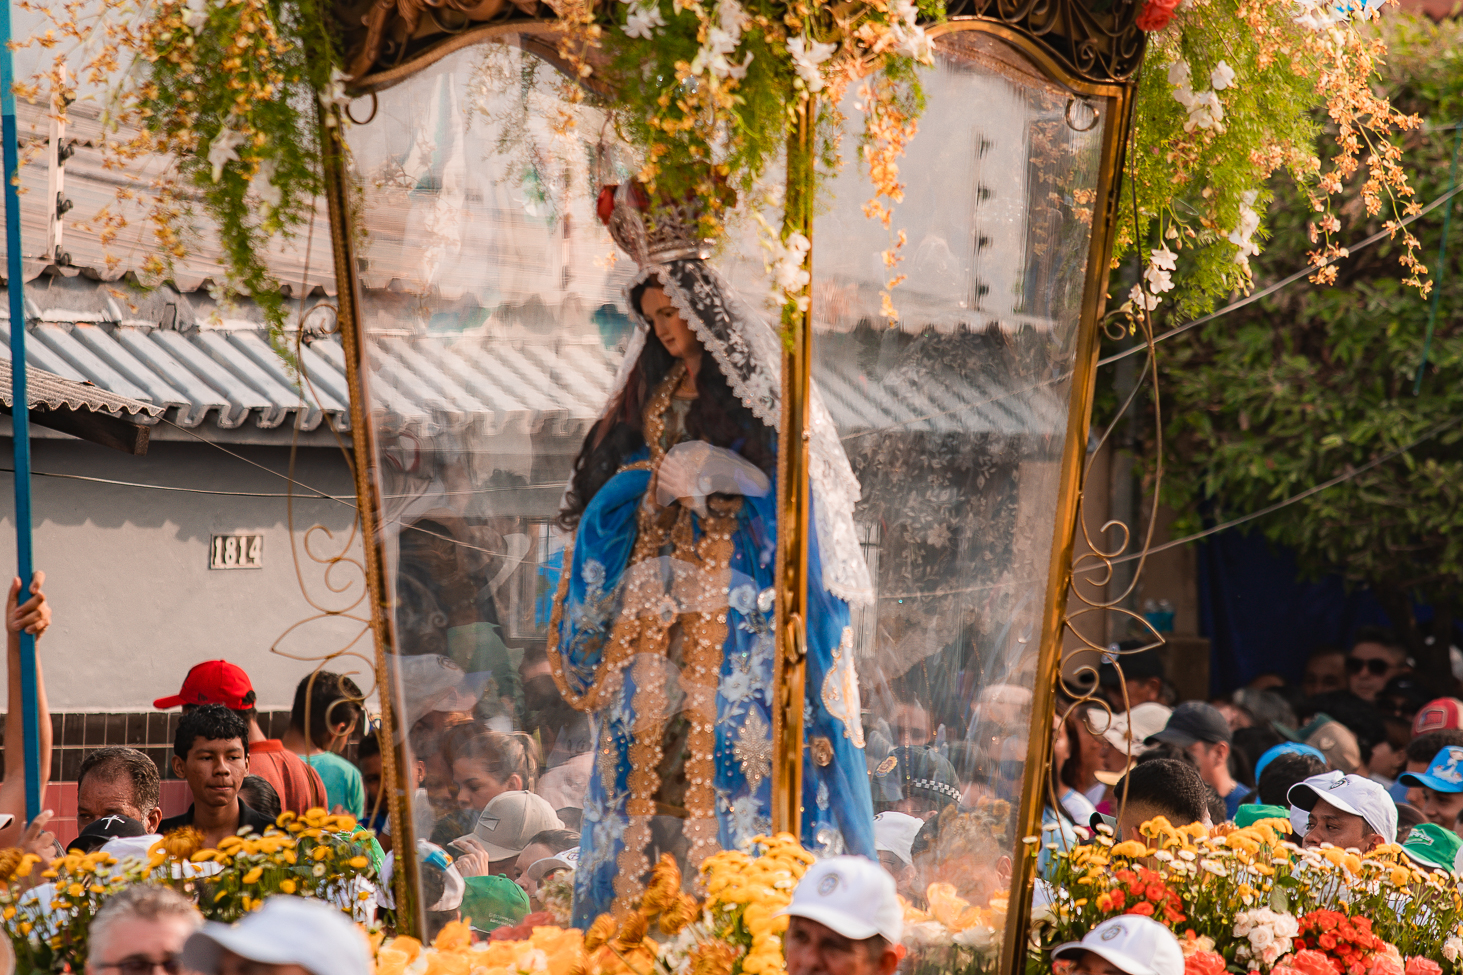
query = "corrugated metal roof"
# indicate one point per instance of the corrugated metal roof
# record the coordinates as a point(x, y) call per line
point(436, 383)
point(48, 391)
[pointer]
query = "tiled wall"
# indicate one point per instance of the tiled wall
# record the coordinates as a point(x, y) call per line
point(74, 735)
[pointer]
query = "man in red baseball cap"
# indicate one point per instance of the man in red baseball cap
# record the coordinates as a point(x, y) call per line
point(220, 682)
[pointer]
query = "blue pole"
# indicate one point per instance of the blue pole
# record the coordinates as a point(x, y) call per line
point(20, 417)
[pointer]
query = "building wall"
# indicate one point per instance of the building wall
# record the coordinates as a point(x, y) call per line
point(127, 571)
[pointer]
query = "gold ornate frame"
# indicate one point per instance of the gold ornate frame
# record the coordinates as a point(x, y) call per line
point(1119, 97)
point(1107, 78)
point(368, 495)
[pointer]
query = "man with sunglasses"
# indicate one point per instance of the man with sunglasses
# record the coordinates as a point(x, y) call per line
point(141, 929)
point(1376, 657)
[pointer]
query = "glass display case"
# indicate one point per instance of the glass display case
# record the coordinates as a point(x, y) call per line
point(575, 458)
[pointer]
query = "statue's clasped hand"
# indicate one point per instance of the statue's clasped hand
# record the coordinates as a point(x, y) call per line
point(693, 471)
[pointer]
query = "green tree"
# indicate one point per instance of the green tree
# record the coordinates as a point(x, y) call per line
point(1315, 382)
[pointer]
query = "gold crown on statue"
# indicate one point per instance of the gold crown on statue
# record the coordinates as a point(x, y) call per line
point(668, 230)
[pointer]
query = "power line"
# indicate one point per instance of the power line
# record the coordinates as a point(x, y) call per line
point(268, 470)
point(1283, 282)
point(184, 490)
point(1338, 479)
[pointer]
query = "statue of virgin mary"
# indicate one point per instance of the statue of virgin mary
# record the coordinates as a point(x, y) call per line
point(662, 625)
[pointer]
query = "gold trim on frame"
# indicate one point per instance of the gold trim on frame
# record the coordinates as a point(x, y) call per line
point(540, 38)
point(368, 495)
point(794, 507)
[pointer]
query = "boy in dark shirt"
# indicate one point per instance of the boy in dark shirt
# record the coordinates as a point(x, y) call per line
point(211, 751)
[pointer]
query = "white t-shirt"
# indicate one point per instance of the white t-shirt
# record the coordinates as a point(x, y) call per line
point(1079, 807)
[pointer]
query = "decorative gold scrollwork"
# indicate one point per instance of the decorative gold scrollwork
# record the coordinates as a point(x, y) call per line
point(343, 575)
point(1092, 572)
point(1096, 42)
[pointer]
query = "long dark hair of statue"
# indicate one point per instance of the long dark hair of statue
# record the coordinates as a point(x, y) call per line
point(716, 416)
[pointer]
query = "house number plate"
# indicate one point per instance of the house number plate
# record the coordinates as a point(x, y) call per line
point(236, 552)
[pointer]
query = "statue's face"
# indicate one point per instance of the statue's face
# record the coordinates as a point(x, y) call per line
point(669, 326)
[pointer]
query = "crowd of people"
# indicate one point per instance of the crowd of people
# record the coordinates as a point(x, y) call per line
point(1361, 718)
point(1354, 756)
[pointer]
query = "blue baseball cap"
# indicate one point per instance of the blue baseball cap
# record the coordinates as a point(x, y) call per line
point(1444, 774)
point(1286, 748)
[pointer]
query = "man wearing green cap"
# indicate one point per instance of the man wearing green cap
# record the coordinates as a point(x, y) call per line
point(493, 902)
point(1432, 847)
point(1249, 814)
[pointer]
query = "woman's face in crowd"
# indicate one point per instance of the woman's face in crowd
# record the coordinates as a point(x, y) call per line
point(1091, 747)
point(437, 781)
point(1061, 744)
point(476, 786)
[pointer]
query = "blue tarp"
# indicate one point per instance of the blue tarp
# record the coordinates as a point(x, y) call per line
point(1261, 618)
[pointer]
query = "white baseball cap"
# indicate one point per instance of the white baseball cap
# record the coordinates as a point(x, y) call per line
point(510, 820)
point(895, 832)
point(1135, 725)
point(1354, 794)
point(1136, 944)
point(567, 860)
point(852, 895)
point(286, 931)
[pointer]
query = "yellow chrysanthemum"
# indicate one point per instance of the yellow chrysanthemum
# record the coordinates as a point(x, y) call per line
point(181, 844)
point(632, 932)
point(601, 931)
point(664, 886)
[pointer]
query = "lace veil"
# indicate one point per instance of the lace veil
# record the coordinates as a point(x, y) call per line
point(750, 356)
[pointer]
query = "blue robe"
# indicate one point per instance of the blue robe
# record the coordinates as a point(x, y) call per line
point(837, 809)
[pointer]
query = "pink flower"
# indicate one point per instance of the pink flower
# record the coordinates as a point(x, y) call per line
point(1386, 963)
point(1208, 963)
point(1310, 962)
point(1418, 965)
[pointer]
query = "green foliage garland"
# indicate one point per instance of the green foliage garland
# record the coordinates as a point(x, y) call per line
point(228, 89)
point(1312, 383)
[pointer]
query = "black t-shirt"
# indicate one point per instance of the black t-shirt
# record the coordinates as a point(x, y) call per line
point(256, 821)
